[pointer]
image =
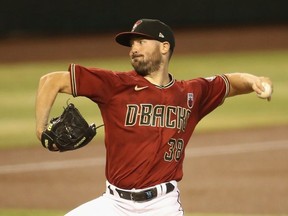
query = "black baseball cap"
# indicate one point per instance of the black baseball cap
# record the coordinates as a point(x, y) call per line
point(150, 28)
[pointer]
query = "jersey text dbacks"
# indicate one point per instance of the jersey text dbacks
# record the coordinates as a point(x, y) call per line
point(157, 116)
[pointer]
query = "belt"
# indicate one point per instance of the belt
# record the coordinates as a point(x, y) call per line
point(144, 195)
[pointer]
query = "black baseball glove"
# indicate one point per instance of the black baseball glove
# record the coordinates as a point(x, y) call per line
point(69, 131)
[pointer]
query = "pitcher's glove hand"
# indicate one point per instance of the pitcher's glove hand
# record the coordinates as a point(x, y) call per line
point(69, 131)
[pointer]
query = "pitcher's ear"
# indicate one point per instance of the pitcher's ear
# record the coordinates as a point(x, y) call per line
point(165, 47)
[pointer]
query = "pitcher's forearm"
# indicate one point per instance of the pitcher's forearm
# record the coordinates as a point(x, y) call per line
point(243, 83)
point(49, 86)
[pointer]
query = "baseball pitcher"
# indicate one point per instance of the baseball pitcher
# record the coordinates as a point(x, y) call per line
point(149, 117)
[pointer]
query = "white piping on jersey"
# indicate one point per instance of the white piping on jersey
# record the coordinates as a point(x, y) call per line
point(227, 83)
point(172, 81)
point(73, 80)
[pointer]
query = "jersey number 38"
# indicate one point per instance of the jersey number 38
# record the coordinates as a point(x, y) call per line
point(175, 150)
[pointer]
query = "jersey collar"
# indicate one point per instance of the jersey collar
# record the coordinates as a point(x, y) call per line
point(172, 81)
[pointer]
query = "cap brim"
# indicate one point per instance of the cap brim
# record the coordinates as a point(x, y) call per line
point(124, 38)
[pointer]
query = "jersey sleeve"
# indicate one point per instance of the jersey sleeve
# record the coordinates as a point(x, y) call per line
point(214, 91)
point(94, 83)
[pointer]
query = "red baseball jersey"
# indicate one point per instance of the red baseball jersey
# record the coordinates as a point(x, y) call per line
point(147, 127)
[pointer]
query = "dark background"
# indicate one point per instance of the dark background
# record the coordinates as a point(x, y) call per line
point(61, 17)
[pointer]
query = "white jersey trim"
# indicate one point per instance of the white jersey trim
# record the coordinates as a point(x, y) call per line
point(172, 81)
point(227, 84)
point(73, 80)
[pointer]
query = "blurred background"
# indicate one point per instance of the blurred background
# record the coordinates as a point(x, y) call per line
point(31, 17)
point(31, 20)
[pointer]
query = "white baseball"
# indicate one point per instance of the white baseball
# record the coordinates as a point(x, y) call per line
point(267, 91)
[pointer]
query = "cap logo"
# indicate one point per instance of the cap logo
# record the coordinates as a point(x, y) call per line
point(161, 35)
point(136, 24)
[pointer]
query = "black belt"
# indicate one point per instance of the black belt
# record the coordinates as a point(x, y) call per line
point(142, 196)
